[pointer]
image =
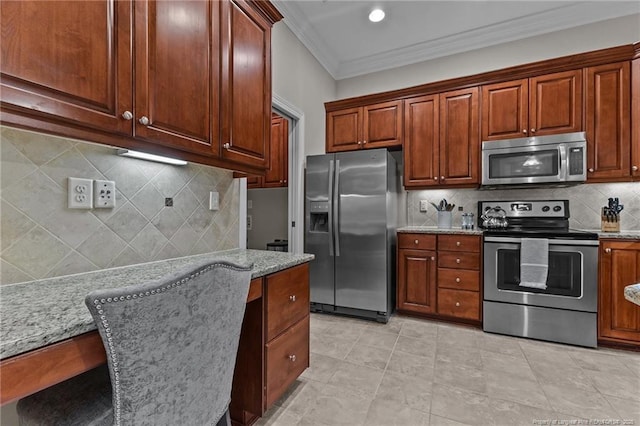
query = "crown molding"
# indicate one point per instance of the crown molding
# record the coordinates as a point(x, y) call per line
point(561, 18)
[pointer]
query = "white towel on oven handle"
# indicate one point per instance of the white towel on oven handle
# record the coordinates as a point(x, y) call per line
point(534, 262)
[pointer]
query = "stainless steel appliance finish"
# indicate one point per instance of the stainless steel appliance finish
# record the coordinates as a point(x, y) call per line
point(351, 216)
point(566, 311)
point(556, 159)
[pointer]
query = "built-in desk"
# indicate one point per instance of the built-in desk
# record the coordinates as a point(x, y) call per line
point(47, 334)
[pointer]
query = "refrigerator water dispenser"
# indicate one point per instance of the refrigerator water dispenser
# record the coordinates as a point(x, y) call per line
point(319, 216)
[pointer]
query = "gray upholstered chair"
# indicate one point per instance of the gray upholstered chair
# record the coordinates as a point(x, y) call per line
point(171, 349)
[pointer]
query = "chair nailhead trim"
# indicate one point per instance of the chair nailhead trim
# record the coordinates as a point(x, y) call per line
point(107, 330)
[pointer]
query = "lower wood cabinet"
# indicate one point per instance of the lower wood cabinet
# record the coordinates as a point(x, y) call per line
point(618, 318)
point(439, 276)
point(274, 344)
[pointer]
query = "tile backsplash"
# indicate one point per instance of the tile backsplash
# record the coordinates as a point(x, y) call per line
point(585, 202)
point(41, 238)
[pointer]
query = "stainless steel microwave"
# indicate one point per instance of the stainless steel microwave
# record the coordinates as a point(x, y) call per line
point(555, 159)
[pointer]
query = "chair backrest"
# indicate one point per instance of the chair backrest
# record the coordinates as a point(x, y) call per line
point(171, 344)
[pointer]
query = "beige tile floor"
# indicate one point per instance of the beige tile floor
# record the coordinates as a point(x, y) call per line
point(421, 372)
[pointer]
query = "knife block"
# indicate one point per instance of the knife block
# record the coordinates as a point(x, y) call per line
point(608, 226)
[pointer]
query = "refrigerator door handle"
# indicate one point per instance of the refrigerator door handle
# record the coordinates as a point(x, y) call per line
point(336, 209)
point(331, 176)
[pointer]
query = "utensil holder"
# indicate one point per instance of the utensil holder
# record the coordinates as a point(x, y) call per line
point(444, 219)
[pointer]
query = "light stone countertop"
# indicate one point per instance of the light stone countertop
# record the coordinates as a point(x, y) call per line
point(436, 230)
point(628, 235)
point(632, 293)
point(38, 313)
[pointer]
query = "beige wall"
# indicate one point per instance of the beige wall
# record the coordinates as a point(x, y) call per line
point(41, 238)
point(300, 79)
point(590, 37)
point(268, 216)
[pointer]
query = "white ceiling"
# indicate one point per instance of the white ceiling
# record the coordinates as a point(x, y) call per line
point(339, 34)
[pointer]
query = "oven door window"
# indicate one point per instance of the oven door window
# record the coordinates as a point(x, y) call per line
point(564, 277)
point(524, 164)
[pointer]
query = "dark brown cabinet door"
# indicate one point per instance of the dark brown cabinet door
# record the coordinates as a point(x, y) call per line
point(635, 118)
point(70, 60)
point(177, 75)
point(619, 319)
point(421, 135)
point(555, 103)
point(417, 281)
point(277, 172)
point(608, 114)
point(505, 109)
point(344, 130)
point(382, 125)
point(459, 137)
point(246, 85)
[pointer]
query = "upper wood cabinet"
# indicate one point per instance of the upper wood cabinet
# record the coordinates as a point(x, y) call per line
point(70, 60)
point(608, 115)
point(635, 118)
point(177, 79)
point(201, 89)
point(442, 140)
point(371, 126)
point(543, 105)
point(618, 318)
point(278, 170)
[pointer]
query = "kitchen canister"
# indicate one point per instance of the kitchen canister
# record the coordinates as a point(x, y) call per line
point(444, 219)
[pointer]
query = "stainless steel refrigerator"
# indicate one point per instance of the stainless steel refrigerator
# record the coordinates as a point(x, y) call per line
point(352, 206)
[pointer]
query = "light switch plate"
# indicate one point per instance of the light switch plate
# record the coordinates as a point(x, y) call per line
point(80, 193)
point(214, 201)
point(104, 194)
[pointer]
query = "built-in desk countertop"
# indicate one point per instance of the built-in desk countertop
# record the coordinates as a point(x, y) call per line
point(37, 315)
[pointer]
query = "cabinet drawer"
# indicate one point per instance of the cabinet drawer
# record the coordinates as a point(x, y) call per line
point(287, 299)
point(459, 279)
point(417, 241)
point(287, 357)
point(459, 243)
point(459, 303)
point(458, 260)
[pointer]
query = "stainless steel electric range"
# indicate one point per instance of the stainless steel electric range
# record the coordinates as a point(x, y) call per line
point(563, 308)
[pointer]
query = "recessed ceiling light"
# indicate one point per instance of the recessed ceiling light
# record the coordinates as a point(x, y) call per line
point(376, 15)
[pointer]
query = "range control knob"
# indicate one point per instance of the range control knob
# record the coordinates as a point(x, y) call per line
point(557, 209)
point(546, 208)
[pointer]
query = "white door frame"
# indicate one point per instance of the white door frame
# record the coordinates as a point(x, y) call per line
point(295, 200)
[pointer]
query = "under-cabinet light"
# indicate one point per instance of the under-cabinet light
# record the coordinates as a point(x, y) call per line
point(151, 157)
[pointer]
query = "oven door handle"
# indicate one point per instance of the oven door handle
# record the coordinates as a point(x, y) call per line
point(552, 241)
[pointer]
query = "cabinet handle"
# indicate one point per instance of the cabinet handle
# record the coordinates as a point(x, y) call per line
point(144, 120)
point(359, 143)
point(533, 130)
point(457, 303)
point(292, 297)
point(634, 168)
point(416, 241)
point(127, 115)
point(284, 181)
point(458, 243)
point(435, 178)
point(292, 358)
point(441, 177)
point(458, 280)
point(226, 145)
point(607, 250)
point(433, 258)
point(591, 170)
point(524, 131)
point(364, 142)
point(457, 260)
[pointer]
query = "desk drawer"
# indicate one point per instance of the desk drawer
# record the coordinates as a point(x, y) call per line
point(459, 303)
point(287, 357)
point(287, 299)
point(459, 279)
point(417, 241)
point(459, 243)
point(458, 260)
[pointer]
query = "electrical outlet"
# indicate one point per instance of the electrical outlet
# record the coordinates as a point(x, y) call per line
point(423, 205)
point(249, 222)
point(80, 193)
point(104, 194)
point(214, 201)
